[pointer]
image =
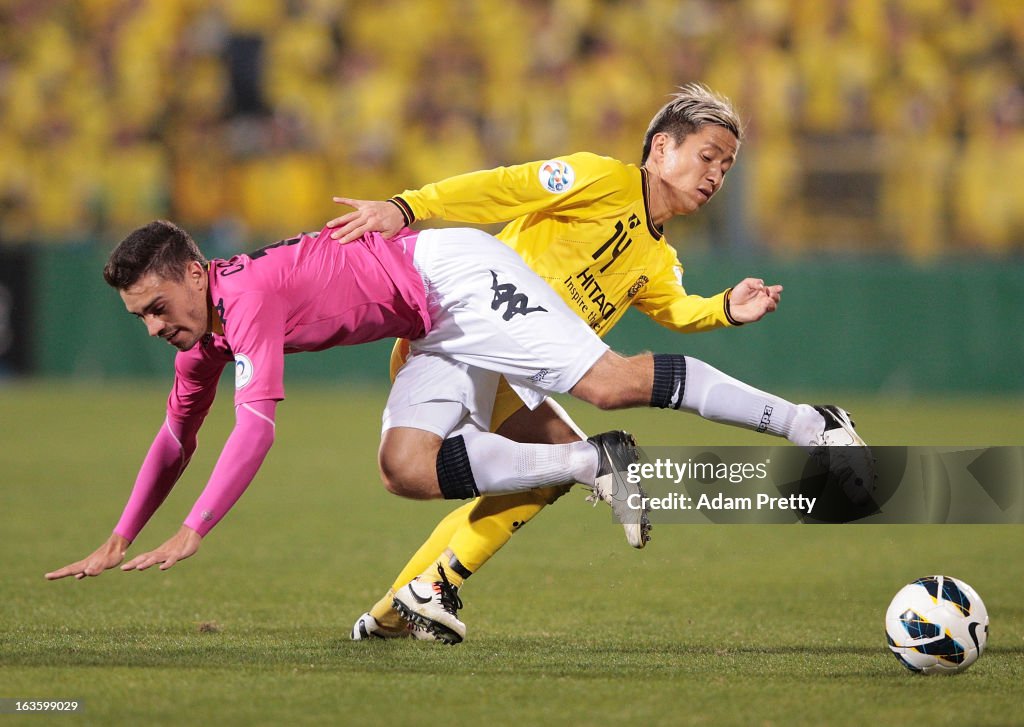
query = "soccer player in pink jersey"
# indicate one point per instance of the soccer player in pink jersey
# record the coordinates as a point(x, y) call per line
point(473, 311)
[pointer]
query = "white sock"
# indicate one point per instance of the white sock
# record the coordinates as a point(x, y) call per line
point(501, 466)
point(721, 398)
point(807, 426)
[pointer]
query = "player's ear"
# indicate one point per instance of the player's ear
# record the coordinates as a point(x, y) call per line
point(195, 273)
point(658, 143)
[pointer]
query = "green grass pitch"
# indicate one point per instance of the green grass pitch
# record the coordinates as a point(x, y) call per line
point(710, 625)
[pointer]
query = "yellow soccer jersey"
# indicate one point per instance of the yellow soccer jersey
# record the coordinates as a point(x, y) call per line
point(582, 223)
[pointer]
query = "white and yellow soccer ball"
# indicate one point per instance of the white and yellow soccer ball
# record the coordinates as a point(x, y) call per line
point(937, 625)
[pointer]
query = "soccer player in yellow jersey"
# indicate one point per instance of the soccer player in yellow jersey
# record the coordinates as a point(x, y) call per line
point(591, 226)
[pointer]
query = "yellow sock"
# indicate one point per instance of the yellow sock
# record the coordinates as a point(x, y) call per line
point(474, 532)
point(433, 545)
point(387, 617)
point(451, 573)
point(492, 522)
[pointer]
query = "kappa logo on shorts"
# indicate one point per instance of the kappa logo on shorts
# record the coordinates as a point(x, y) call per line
point(515, 303)
point(540, 377)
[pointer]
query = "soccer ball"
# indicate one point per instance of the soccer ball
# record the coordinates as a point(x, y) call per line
point(937, 625)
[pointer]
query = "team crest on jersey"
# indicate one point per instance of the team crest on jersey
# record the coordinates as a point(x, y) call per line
point(243, 371)
point(556, 176)
point(640, 283)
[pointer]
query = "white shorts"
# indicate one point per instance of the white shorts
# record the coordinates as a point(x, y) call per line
point(491, 315)
point(441, 395)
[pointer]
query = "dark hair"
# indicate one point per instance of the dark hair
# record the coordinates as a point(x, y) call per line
point(160, 247)
point(694, 107)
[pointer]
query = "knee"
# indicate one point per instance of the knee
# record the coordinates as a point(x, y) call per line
point(408, 463)
point(406, 477)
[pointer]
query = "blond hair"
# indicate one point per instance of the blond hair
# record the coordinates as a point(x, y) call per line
point(693, 107)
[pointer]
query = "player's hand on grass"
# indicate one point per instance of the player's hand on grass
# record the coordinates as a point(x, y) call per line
point(368, 216)
point(751, 300)
point(104, 557)
point(183, 544)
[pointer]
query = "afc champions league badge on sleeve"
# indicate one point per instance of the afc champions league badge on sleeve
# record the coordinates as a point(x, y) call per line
point(243, 371)
point(556, 176)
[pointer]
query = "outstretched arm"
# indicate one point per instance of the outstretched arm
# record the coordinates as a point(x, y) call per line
point(243, 453)
point(666, 301)
point(496, 195)
point(166, 460)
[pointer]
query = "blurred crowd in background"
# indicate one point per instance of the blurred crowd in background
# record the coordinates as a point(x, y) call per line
point(884, 126)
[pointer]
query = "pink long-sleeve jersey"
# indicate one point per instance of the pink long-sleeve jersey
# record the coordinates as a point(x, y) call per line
point(306, 293)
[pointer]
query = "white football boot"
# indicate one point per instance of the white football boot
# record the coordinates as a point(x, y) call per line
point(432, 606)
point(366, 627)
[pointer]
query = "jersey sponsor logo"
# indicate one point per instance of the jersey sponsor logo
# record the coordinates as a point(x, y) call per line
point(243, 371)
point(586, 292)
point(515, 303)
point(556, 176)
point(635, 288)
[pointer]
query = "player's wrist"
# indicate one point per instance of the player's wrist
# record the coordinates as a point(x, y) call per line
point(199, 523)
point(116, 540)
point(408, 216)
point(728, 309)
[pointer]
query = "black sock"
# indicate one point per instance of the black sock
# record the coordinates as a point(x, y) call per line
point(454, 474)
point(669, 380)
